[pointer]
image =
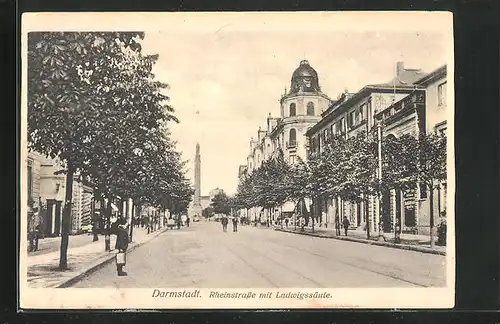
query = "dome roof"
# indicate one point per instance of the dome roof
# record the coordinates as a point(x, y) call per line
point(304, 70)
point(304, 79)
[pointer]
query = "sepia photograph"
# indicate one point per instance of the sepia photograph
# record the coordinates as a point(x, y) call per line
point(237, 160)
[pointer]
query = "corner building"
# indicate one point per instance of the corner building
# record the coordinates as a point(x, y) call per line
point(300, 109)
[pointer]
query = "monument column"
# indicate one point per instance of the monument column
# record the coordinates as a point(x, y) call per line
point(197, 209)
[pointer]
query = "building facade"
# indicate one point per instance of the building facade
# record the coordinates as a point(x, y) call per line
point(351, 114)
point(404, 117)
point(46, 193)
point(436, 115)
point(300, 108)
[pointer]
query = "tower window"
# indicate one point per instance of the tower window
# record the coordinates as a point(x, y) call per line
point(292, 138)
point(293, 109)
point(310, 109)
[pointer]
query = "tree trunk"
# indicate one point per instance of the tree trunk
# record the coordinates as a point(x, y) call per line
point(367, 216)
point(431, 214)
point(107, 236)
point(313, 217)
point(132, 221)
point(281, 215)
point(63, 258)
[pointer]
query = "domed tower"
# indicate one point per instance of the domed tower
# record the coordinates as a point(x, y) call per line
point(305, 79)
point(301, 108)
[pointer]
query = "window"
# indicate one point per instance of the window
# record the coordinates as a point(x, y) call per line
point(292, 138)
point(325, 135)
point(423, 191)
point(293, 109)
point(30, 179)
point(441, 129)
point(342, 125)
point(442, 94)
point(361, 113)
point(310, 109)
point(292, 159)
point(313, 144)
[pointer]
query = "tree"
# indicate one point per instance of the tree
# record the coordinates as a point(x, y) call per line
point(63, 108)
point(207, 212)
point(245, 197)
point(270, 181)
point(432, 168)
point(221, 203)
point(300, 181)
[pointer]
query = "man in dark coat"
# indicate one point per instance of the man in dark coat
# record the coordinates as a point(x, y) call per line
point(235, 224)
point(121, 243)
point(224, 222)
point(346, 224)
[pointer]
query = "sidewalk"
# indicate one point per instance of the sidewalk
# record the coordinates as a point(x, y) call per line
point(419, 243)
point(43, 269)
point(52, 244)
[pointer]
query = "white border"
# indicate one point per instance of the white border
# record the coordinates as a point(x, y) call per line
point(313, 21)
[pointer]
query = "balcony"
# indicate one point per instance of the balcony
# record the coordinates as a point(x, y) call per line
point(291, 144)
point(406, 105)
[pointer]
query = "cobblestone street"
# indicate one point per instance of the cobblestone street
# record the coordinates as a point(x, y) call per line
point(204, 256)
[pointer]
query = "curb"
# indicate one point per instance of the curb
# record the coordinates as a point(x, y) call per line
point(357, 240)
point(104, 261)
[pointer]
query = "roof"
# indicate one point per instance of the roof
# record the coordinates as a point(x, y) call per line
point(406, 78)
point(366, 90)
point(432, 76)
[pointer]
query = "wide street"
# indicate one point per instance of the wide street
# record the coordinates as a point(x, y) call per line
point(204, 256)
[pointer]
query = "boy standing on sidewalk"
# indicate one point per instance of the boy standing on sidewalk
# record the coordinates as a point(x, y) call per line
point(121, 245)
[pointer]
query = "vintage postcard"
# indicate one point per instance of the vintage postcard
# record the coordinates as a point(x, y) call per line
point(237, 160)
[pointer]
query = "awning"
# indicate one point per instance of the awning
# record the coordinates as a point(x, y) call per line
point(288, 207)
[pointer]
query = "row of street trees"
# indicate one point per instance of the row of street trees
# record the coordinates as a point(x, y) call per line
point(94, 103)
point(349, 169)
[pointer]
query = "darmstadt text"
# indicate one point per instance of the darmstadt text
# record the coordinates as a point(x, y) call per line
point(177, 294)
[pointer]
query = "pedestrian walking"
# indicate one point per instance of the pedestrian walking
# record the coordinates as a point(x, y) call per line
point(121, 245)
point(33, 230)
point(346, 224)
point(224, 222)
point(188, 220)
point(286, 222)
point(235, 224)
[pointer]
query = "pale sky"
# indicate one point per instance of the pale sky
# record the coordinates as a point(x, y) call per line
point(235, 78)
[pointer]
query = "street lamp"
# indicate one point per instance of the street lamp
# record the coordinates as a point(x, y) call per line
point(379, 174)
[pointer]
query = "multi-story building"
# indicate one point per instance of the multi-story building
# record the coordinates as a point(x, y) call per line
point(52, 194)
point(351, 114)
point(436, 116)
point(424, 111)
point(404, 117)
point(33, 165)
point(300, 108)
point(33, 215)
point(81, 208)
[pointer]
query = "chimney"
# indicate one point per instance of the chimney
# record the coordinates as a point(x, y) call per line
point(400, 67)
